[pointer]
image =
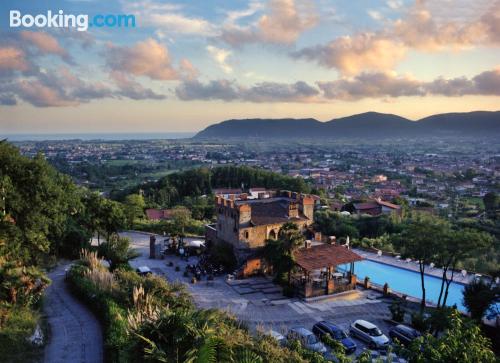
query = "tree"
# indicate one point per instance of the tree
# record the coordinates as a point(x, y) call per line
point(334, 224)
point(111, 217)
point(102, 216)
point(420, 240)
point(456, 246)
point(280, 252)
point(491, 202)
point(462, 342)
point(134, 207)
point(116, 250)
point(478, 296)
point(180, 219)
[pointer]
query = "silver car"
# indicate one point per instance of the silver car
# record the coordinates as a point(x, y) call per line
point(307, 339)
point(369, 333)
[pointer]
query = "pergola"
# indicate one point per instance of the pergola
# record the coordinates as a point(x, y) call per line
point(318, 264)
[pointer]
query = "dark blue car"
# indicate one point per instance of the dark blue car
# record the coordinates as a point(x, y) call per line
point(325, 327)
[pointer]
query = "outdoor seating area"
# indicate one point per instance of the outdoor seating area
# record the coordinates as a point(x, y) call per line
point(317, 273)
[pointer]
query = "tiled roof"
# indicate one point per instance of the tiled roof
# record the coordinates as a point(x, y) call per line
point(271, 212)
point(324, 255)
point(367, 205)
point(389, 205)
point(157, 214)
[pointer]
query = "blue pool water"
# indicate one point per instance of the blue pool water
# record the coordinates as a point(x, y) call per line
point(407, 282)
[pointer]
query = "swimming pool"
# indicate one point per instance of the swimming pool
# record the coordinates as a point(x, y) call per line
point(407, 282)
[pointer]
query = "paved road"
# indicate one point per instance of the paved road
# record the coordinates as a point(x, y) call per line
point(76, 335)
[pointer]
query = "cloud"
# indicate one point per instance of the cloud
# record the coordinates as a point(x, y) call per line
point(220, 56)
point(63, 88)
point(389, 84)
point(147, 58)
point(351, 55)
point(281, 92)
point(40, 95)
point(169, 17)
point(226, 90)
point(130, 88)
point(394, 4)
point(8, 99)
point(283, 22)
point(375, 15)
point(419, 29)
point(234, 16)
point(214, 90)
point(371, 85)
point(187, 70)
point(491, 23)
point(45, 43)
point(488, 83)
point(59, 89)
point(13, 59)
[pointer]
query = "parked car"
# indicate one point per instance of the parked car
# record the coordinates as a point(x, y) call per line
point(369, 333)
point(325, 327)
point(307, 339)
point(404, 334)
point(279, 337)
point(143, 270)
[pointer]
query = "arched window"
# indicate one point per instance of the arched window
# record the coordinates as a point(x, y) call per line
point(247, 234)
point(272, 234)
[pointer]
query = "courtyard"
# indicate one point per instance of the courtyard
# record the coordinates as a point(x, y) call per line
point(259, 303)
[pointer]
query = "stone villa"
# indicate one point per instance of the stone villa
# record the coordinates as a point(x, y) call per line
point(247, 223)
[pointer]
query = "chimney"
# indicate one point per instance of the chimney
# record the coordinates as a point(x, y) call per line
point(293, 211)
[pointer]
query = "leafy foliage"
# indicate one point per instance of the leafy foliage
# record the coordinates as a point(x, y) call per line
point(461, 342)
point(116, 250)
point(188, 186)
point(147, 318)
point(478, 297)
point(280, 252)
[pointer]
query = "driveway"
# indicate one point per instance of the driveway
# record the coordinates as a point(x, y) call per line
point(75, 333)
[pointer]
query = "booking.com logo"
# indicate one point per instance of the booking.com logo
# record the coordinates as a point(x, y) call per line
point(61, 20)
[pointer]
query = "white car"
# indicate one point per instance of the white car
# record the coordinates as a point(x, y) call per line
point(279, 337)
point(369, 333)
point(307, 339)
point(143, 270)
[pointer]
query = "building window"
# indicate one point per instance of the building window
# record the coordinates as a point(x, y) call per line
point(272, 234)
point(247, 234)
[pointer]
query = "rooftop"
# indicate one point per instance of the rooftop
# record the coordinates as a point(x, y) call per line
point(324, 255)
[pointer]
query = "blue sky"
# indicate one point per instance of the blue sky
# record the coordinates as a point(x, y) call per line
point(188, 64)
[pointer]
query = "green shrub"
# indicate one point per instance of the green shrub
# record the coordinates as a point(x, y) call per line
point(397, 311)
point(17, 325)
point(419, 322)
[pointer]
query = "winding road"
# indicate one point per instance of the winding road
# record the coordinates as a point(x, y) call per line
point(76, 335)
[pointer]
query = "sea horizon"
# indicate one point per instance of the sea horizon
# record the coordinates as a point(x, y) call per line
point(97, 136)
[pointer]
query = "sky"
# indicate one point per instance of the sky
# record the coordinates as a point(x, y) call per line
point(188, 64)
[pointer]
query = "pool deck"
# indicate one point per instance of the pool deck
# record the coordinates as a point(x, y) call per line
point(413, 266)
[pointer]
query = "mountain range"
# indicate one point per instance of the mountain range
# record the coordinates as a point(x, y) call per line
point(363, 125)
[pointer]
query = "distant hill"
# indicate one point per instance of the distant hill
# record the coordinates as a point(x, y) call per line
point(369, 124)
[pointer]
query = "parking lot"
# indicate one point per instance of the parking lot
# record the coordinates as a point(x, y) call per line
point(259, 310)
